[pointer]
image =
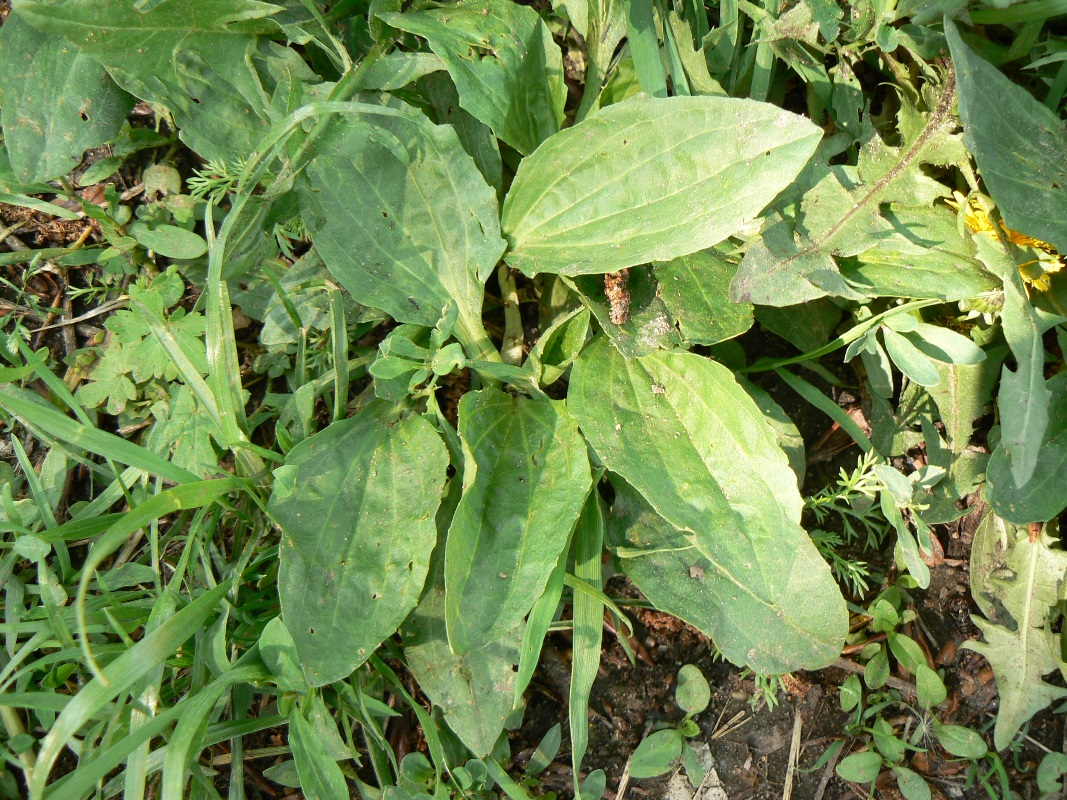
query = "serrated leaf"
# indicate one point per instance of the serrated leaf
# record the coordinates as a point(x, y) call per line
point(404, 219)
point(184, 430)
point(357, 517)
point(1020, 145)
point(160, 54)
point(56, 102)
point(840, 215)
point(687, 437)
point(1025, 576)
point(695, 289)
point(608, 192)
point(1044, 496)
point(525, 478)
point(507, 68)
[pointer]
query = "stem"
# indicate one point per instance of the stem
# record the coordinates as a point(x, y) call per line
point(511, 349)
point(13, 726)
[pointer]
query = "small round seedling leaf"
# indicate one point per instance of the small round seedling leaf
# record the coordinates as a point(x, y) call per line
point(960, 741)
point(911, 785)
point(593, 786)
point(929, 687)
point(860, 767)
point(1053, 767)
point(546, 751)
point(656, 754)
point(416, 768)
point(907, 651)
point(169, 240)
point(694, 770)
point(851, 693)
point(693, 693)
point(876, 673)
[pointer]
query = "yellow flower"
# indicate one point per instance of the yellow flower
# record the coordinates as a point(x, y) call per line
point(1045, 260)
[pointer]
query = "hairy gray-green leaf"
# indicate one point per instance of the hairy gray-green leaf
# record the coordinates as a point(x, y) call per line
point(525, 478)
point(56, 101)
point(696, 290)
point(1025, 574)
point(507, 68)
point(1023, 399)
point(161, 55)
point(680, 430)
point(924, 257)
point(474, 690)
point(1045, 495)
point(840, 214)
point(404, 219)
point(650, 180)
point(356, 506)
point(1020, 145)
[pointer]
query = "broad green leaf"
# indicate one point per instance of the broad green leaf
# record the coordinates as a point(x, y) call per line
point(356, 506)
point(961, 396)
point(475, 136)
point(621, 187)
point(320, 777)
point(474, 690)
point(1020, 145)
point(525, 479)
point(695, 289)
point(680, 430)
point(1024, 577)
point(667, 567)
point(840, 215)
point(404, 220)
point(56, 102)
point(647, 326)
point(656, 754)
point(507, 68)
point(193, 58)
point(1023, 398)
point(942, 344)
point(1044, 496)
point(925, 257)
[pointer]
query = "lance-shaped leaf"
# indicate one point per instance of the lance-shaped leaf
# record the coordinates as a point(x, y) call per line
point(356, 506)
point(507, 68)
point(404, 219)
point(525, 477)
point(474, 690)
point(1025, 574)
point(650, 180)
point(1020, 145)
point(56, 102)
point(1023, 398)
point(680, 430)
point(840, 215)
point(1044, 496)
point(160, 54)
